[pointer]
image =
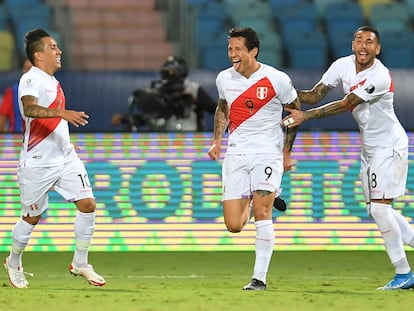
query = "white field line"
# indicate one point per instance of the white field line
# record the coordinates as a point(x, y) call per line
point(191, 276)
point(196, 276)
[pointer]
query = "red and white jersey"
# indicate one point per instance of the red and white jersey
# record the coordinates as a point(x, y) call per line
point(46, 142)
point(255, 108)
point(381, 130)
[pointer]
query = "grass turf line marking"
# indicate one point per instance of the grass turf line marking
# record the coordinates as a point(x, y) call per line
point(191, 276)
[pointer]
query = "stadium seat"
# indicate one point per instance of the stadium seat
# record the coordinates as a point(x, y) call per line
point(389, 25)
point(398, 57)
point(270, 56)
point(397, 49)
point(308, 51)
point(321, 5)
point(410, 8)
point(389, 16)
point(238, 10)
point(26, 15)
point(367, 5)
point(26, 24)
point(18, 11)
point(341, 20)
point(336, 28)
point(270, 38)
point(210, 23)
point(343, 12)
point(271, 48)
point(297, 19)
point(214, 8)
point(264, 28)
point(215, 58)
point(196, 3)
point(7, 50)
point(279, 5)
point(3, 17)
point(341, 43)
point(9, 3)
point(208, 28)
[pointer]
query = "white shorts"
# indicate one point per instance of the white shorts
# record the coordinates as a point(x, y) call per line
point(243, 174)
point(70, 180)
point(384, 176)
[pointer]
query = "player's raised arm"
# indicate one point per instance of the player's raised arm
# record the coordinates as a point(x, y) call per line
point(296, 117)
point(313, 96)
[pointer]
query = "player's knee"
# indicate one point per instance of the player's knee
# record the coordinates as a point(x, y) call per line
point(233, 230)
point(33, 220)
point(377, 209)
point(87, 205)
point(234, 227)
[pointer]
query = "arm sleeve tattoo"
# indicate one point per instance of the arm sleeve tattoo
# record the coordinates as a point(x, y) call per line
point(221, 119)
point(314, 95)
point(291, 132)
point(350, 101)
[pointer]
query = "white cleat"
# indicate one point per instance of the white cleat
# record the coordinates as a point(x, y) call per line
point(16, 276)
point(88, 273)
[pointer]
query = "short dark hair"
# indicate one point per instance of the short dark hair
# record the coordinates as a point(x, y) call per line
point(33, 42)
point(250, 36)
point(369, 29)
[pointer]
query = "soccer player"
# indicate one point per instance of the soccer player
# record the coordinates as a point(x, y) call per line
point(250, 105)
point(48, 160)
point(369, 91)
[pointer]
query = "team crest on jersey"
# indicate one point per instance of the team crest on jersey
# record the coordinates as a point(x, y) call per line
point(261, 92)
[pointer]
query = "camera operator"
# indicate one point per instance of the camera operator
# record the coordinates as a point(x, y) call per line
point(172, 103)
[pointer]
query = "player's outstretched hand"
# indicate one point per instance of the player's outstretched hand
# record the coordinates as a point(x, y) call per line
point(295, 118)
point(76, 118)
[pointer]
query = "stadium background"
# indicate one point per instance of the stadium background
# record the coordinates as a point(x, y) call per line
point(159, 191)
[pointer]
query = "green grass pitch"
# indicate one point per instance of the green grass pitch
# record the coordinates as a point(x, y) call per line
point(181, 281)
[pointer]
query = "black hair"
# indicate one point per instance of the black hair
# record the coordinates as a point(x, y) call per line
point(33, 42)
point(369, 29)
point(250, 36)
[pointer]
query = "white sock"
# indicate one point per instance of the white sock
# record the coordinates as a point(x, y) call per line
point(84, 228)
point(265, 240)
point(407, 232)
point(20, 238)
point(390, 231)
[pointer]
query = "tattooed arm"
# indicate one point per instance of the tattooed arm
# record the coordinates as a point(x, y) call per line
point(290, 138)
point(313, 96)
point(33, 110)
point(349, 102)
point(221, 120)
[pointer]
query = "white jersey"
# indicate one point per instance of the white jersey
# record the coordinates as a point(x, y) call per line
point(255, 108)
point(46, 142)
point(381, 130)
